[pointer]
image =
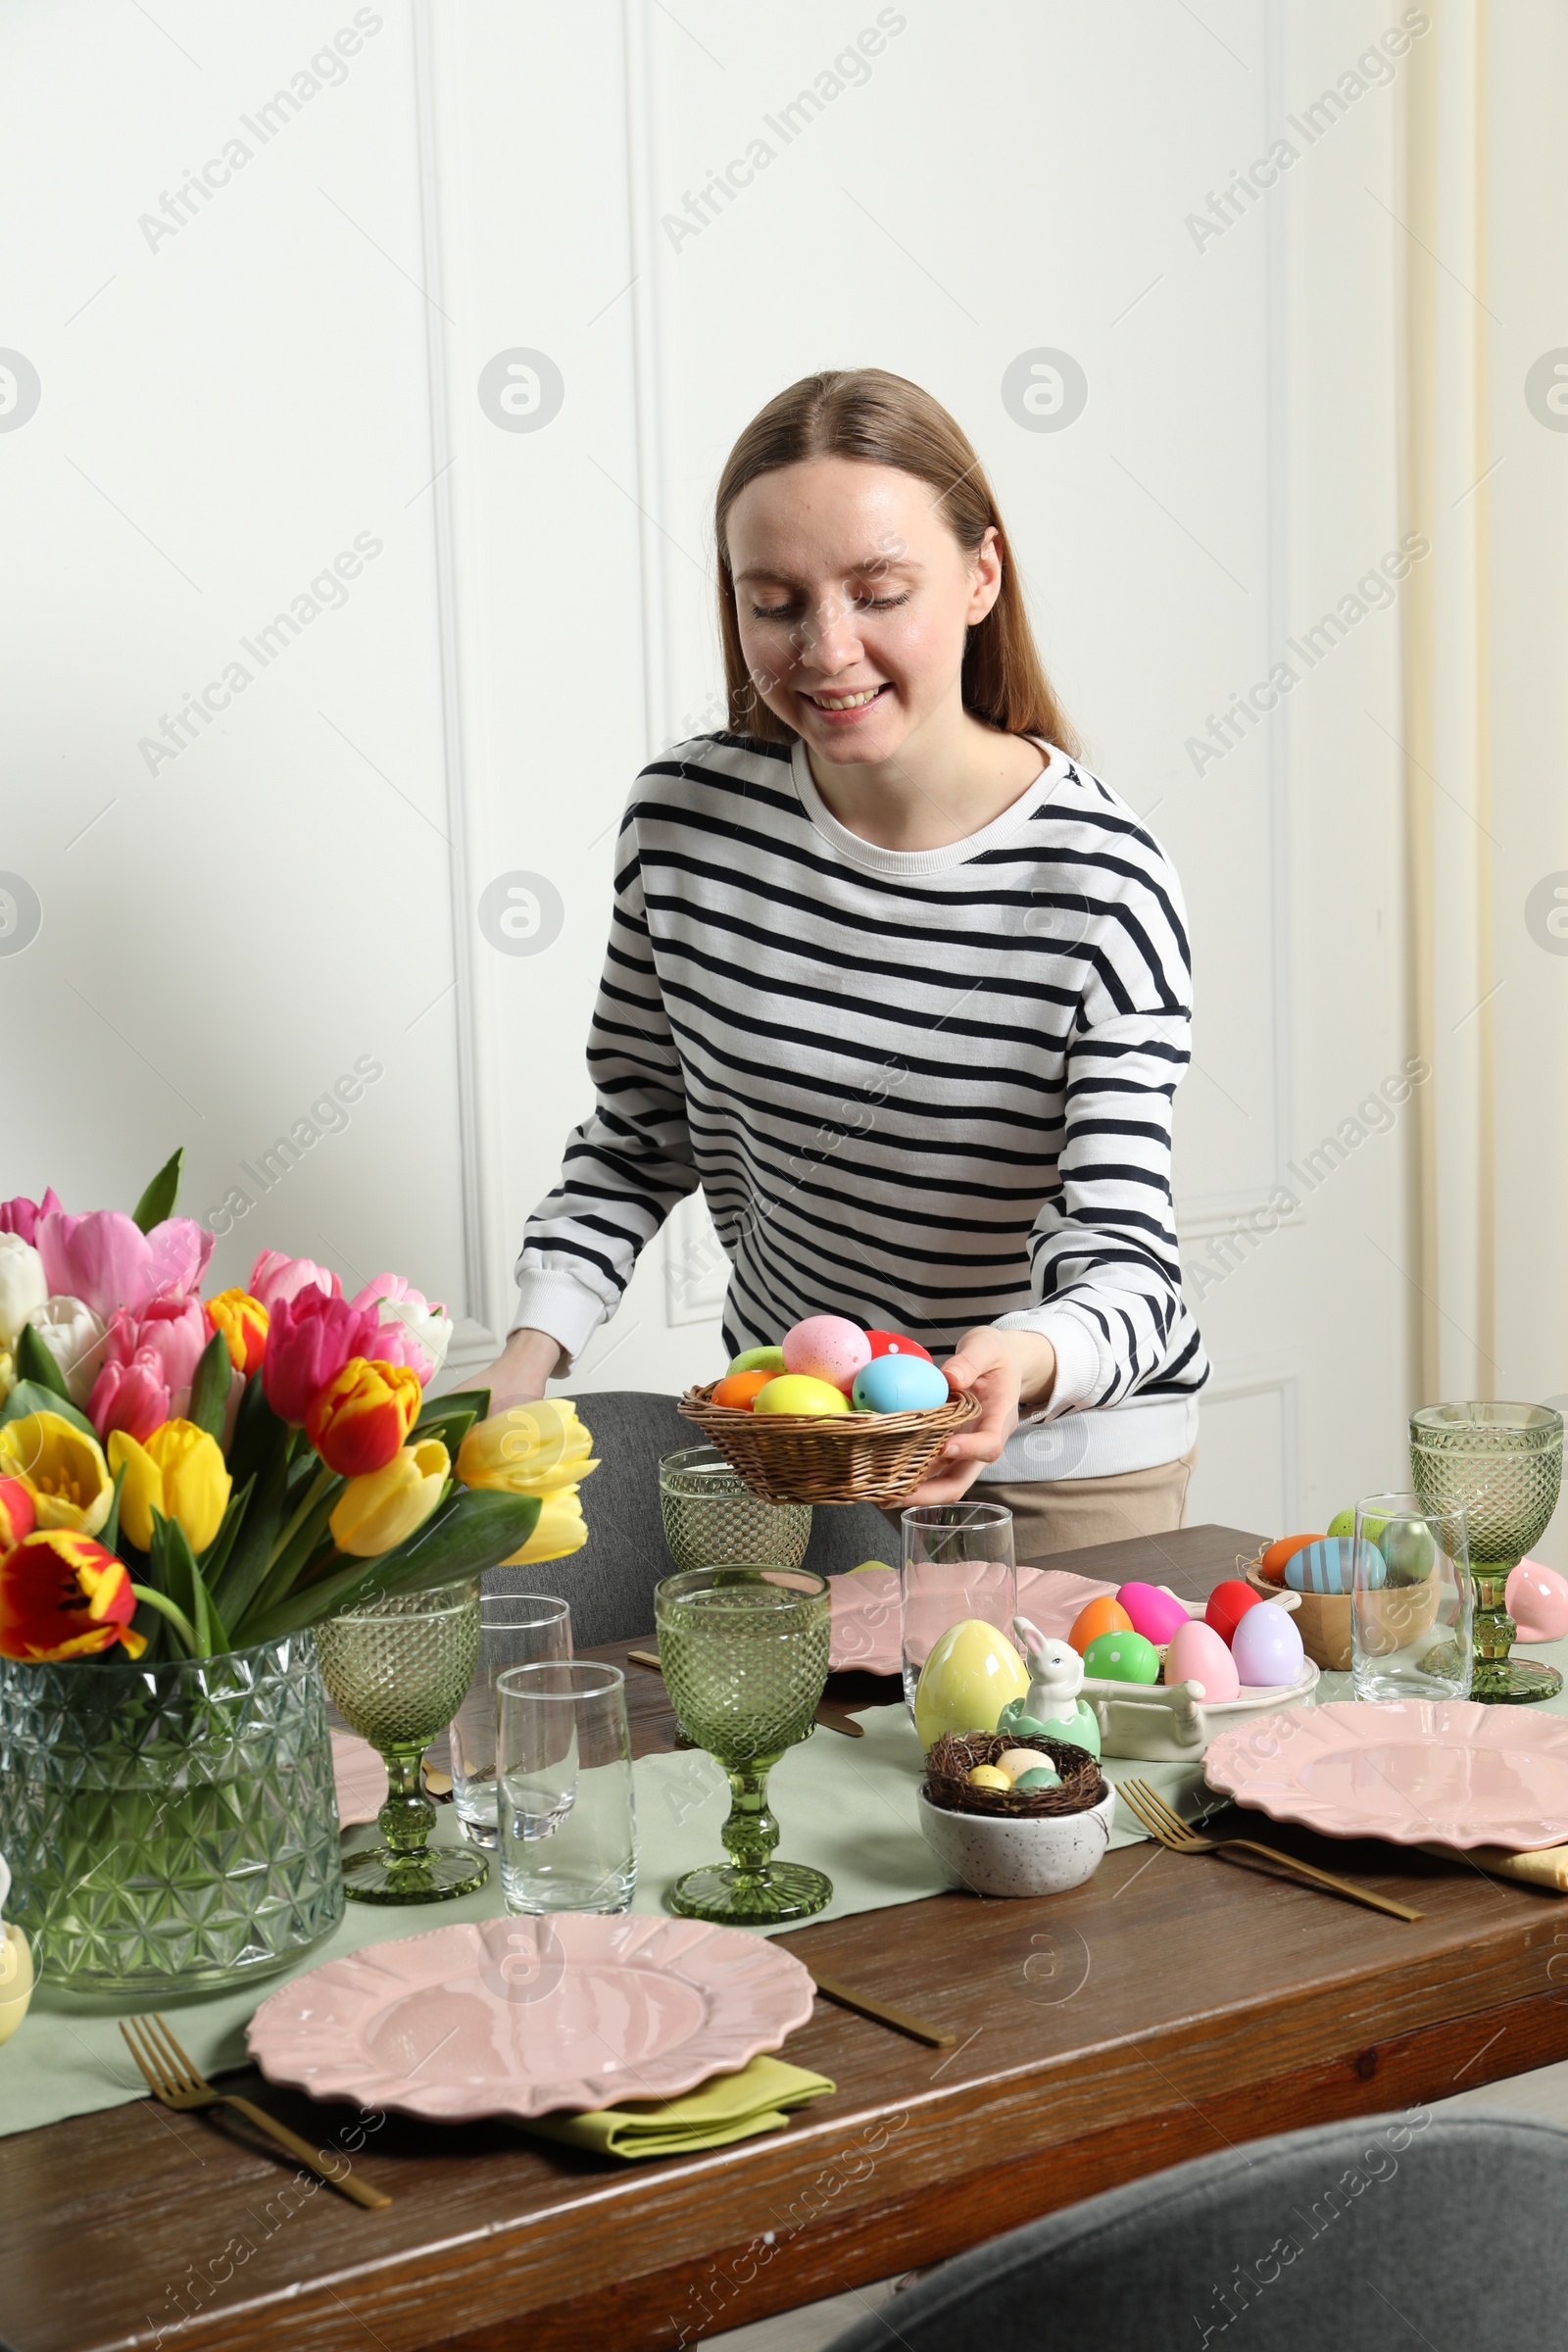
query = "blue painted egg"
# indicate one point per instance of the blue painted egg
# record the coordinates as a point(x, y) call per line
point(898, 1383)
point(1328, 1566)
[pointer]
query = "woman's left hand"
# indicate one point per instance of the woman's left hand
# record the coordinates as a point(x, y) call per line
point(1003, 1369)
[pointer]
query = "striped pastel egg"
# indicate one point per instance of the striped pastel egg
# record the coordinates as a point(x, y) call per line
point(1328, 1566)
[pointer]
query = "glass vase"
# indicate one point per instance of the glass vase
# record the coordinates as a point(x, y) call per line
point(169, 1828)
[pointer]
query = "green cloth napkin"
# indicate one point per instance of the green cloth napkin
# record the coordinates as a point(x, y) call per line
point(729, 2107)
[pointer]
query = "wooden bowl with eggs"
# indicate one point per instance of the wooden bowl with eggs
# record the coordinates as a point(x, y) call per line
point(828, 1457)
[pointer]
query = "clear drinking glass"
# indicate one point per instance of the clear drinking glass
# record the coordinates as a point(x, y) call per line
point(710, 1517)
point(567, 1820)
point(515, 1628)
point(744, 1654)
point(1411, 1600)
point(397, 1669)
point(957, 1563)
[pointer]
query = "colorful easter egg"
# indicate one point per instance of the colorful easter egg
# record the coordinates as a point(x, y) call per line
point(759, 1360)
point(898, 1383)
point(739, 1389)
point(1041, 1776)
point(1103, 1616)
point(1329, 1566)
point(827, 1348)
point(799, 1393)
point(1267, 1649)
point(1121, 1658)
point(1228, 1604)
point(1154, 1613)
point(1197, 1654)
point(985, 1775)
point(894, 1342)
point(1537, 1599)
point(967, 1680)
point(1014, 1762)
point(1272, 1563)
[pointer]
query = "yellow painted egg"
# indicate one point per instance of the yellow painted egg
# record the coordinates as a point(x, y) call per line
point(987, 1776)
point(799, 1393)
point(971, 1674)
point(1014, 1762)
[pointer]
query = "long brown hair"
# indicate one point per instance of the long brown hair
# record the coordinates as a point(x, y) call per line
point(884, 419)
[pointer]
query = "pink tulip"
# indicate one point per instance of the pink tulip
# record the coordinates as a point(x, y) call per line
point(132, 1397)
point(22, 1215)
point(103, 1257)
point(415, 1330)
point(174, 1330)
point(309, 1341)
point(274, 1278)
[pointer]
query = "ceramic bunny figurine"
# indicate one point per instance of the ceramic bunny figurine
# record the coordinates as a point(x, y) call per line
point(1053, 1708)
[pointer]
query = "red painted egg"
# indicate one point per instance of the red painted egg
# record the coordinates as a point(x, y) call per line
point(894, 1342)
point(1228, 1604)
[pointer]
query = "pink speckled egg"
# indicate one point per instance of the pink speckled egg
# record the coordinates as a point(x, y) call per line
point(1537, 1599)
point(1267, 1649)
point(827, 1348)
point(1197, 1654)
point(1155, 1613)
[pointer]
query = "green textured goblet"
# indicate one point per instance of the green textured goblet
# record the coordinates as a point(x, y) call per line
point(1502, 1464)
point(710, 1516)
point(744, 1654)
point(398, 1670)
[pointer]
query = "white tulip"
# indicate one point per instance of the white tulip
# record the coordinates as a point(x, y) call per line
point(22, 1288)
point(74, 1337)
point(431, 1326)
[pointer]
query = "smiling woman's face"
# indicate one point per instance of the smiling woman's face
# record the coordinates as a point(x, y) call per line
point(853, 599)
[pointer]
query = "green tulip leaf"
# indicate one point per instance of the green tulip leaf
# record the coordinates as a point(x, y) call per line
point(109, 1533)
point(36, 1362)
point(158, 1201)
point(210, 1385)
point(31, 1396)
point(465, 1536)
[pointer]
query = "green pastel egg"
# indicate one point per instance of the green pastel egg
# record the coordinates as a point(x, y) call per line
point(759, 1360)
point(1121, 1658)
point(1041, 1776)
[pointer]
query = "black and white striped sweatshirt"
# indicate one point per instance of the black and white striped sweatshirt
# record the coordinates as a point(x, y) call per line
point(925, 1089)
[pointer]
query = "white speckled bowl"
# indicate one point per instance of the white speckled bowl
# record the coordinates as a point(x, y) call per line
point(994, 1854)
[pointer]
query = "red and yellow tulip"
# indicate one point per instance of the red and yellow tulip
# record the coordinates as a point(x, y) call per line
point(63, 1595)
point(358, 1421)
point(243, 1322)
point(19, 1514)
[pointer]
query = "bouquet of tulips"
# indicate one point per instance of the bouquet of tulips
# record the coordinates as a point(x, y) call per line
point(183, 1477)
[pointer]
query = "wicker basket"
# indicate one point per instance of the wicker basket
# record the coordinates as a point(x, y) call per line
point(957, 1753)
point(828, 1457)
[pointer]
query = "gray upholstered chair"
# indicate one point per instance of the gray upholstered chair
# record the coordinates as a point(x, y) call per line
point(1397, 2229)
point(609, 1582)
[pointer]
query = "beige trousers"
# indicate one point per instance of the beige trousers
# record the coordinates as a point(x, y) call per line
point(1064, 1514)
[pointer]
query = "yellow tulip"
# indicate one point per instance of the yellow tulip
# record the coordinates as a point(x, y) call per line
point(558, 1528)
point(180, 1473)
point(531, 1450)
point(378, 1511)
point(8, 1373)
point(62, 1468)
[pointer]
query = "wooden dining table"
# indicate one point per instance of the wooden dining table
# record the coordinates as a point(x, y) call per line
point(1170, 2007)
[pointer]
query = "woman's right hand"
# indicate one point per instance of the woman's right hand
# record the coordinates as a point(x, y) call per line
point(519, 1372)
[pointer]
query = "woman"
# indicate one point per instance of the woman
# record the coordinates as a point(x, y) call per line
point(901, 984)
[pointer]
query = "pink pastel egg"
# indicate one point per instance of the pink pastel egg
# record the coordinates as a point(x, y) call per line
point(1155, 1614)
point(827, 1348)
point(1537, 1600)
point(1197, 1654)
point(1267, 1649)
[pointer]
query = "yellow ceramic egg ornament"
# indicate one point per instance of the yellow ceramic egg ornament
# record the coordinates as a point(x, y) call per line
point(971, 1674)
point(987, 1776)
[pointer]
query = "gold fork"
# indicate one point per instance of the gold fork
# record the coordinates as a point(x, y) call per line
point(174, 2083)
point(1171, 1831)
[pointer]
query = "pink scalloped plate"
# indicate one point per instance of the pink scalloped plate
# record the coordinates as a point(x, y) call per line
point(867, 1625)
point(525, 2017)
point(1409, 1770)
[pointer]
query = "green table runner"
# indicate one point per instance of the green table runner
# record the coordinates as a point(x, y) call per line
point(846, 1805)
